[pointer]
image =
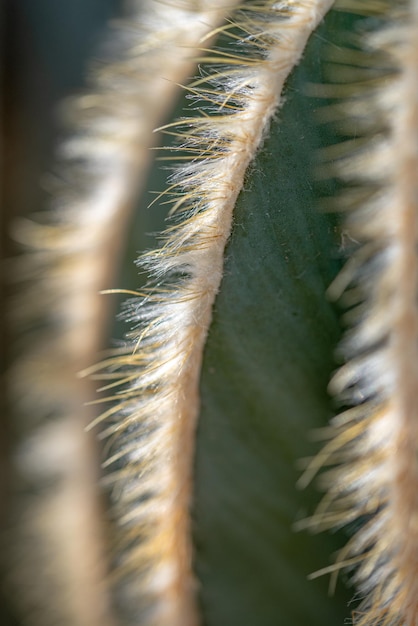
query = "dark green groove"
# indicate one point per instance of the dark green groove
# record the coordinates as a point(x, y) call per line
point(263, 389)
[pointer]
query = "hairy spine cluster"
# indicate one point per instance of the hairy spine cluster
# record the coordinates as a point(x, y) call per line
point(374, 448)
point(153, 423)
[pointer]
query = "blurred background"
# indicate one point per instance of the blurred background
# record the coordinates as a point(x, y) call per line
point(46, 46)
point(50, 51)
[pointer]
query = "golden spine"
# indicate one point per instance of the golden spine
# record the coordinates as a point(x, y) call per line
point(152, 421)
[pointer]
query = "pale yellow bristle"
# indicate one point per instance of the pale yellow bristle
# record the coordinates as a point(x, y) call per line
point(374, 481)
point(158, 410)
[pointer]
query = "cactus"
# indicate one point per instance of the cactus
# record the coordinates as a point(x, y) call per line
point(293, 116)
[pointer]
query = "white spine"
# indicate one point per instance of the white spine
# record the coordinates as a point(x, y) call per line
point(154, 426)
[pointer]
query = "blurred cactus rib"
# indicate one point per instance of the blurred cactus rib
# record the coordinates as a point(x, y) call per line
point(261, 158)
